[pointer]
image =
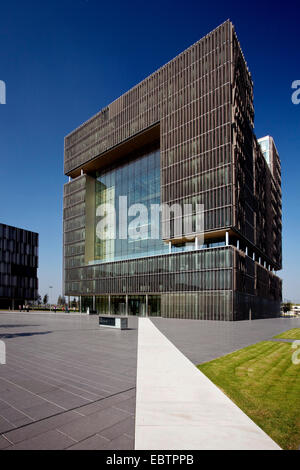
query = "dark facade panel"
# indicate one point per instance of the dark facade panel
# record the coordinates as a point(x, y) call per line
point(18, 266)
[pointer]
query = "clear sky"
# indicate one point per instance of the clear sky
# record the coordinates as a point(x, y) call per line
point(63, 61)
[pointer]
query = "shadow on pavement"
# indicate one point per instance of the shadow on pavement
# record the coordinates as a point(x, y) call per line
point(14, 335)
point(16, 326)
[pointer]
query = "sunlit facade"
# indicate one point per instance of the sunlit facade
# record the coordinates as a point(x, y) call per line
point(137, 180)
point(182, 136)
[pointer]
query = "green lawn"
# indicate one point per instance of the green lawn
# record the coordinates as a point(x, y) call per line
point(294, 333)
point(262, 380)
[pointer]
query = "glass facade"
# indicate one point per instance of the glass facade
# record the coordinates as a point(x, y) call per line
point(195, 116)
point(137, 179)
point(208, 269)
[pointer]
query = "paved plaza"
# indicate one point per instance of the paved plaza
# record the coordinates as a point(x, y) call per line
point(69, 384)
point(178, 407)
point(202, 341)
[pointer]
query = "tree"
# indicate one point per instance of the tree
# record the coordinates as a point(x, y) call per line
point(45, 299)
point(287, 307)
point(39, 300)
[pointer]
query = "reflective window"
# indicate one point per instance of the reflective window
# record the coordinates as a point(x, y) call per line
point(139, 180)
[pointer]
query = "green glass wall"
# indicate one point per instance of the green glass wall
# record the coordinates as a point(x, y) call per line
point(139, 180)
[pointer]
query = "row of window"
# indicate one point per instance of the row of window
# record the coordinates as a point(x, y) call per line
point(17, 247)
point(196, 184)
point(18, 235)
point(188, 157)
point(18, 292)
point(74, 211)
point(75, 185)
point(127, 122)
point(75, 236)
point(212, 45)
point(202, 115)
point(74, 198)
point(7, 257)
point(217, 258)
point(212, 198)
point(17, 281)
point(77, 248)
point(175, 282)
point(198, 306)
point(255, 307)
point(74, 223)
point(205, 142)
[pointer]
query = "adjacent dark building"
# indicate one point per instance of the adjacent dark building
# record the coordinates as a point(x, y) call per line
point(183, 135)
point(18, 266)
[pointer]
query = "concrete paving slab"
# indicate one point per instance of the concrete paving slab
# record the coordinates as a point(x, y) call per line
point(53, 357)
point(51, 440)
point(4, 443)
point(39, 427)
point(122, 442)
point(59, 369)
point(207, 419)
point(113, 400)
point(204, 340)
point(95, 442)
point(126, 426)
point(86, 426)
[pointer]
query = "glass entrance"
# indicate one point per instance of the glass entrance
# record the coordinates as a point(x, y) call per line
point(117, 305)
point(137, 305)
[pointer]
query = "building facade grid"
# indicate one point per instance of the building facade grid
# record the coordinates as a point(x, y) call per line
point(199, 107)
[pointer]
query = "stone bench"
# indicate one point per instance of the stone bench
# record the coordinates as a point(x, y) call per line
point(109, 321)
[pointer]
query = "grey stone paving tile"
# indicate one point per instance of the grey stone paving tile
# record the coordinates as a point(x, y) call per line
point(69, 384)
point(64, 375)
point(88, 425)
point(4, 425)
point(105, 403)
point(34, 385)
point(51, 440)
point(204, 340)
point(65, 399)
point(82, 391)
point(4, 443)
point(126, 405)
point(13, 419)
point(94, 392)
point(95, 442)
point(127, 426)
point(43, 410)
point(21, 399)
point(122, 442)
point(40, 427)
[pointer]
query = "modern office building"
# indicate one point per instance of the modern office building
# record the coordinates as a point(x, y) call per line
point(18, 266)
point(270, 153)
point(184, 135)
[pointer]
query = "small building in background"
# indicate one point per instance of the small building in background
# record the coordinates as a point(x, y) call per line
point(18, 266)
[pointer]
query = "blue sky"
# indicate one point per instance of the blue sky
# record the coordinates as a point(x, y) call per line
point(63, 61)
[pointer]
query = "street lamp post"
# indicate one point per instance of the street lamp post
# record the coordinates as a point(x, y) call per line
point(50, 287)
